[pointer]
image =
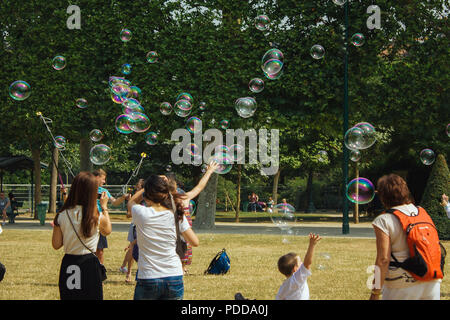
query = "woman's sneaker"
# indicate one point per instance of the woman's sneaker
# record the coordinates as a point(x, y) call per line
point(123, 269)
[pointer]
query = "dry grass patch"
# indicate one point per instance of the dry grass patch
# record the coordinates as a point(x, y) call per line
point(338, 271)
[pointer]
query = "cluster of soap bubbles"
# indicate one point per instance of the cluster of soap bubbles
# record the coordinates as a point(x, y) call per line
point(360, 137)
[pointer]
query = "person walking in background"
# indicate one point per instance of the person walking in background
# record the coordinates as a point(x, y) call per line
point(128, 259)
point(392, 281)
point(160, 273)
point(101, 178)
point(446, 204)
point(295, 287)
point(186, 198)
point(77, 227)
point(5, 205)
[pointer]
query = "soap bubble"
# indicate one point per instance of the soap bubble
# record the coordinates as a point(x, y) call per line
point(168, 168)
point(427, 156)
point(202, 106)
point(355, 155)
point(165, 108)
point(192, 206)
point(122, 124)
point(131, 105)
point(100, 154)
point(245, 107)
point(152, 57)
point(323, 156)
point(193, 150)
point(182, 108)
point(117, 99)
point(126, 68)
point(272, 67)
point(283, 216)
point(272, 54)
point(185, 96)
point(82, 103)
point(134, 92)
point(59, 63)
point(60, 142)
point(360, 191)
point(262, 22)
point(19, 90)
point(369, 134)
point(354, 138)
point(96, 135)
point(358, 39)
point(224, 161)
point(317, 51)
point(236, 152)
point(224, 124)
point(138, 122)
point(120, 89)
point(193, 124)
point(256, 85)
point(339, 2)
point(125, 35)
point(272, 63)
point(151, 138)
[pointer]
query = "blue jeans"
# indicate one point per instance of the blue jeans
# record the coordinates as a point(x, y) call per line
point(168, 288)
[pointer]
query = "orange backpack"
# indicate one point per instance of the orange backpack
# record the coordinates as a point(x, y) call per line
point(427, 255)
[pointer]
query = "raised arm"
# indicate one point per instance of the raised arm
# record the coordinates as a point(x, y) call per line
point(313, 240)
point(135, 199)
point(203, 181)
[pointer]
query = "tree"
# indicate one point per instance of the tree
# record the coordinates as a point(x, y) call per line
point(438, 184)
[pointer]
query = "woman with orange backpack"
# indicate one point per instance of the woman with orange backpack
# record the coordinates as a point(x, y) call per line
point(410, 258)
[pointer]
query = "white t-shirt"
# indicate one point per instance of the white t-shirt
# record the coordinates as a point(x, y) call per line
point(295, 287)
point(72, 244)
point(390, 225)
point(156, 239)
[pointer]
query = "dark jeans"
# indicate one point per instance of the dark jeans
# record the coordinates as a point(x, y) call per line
point(168, 288)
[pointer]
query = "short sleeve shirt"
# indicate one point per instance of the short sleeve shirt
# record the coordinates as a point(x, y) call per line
point(3, 203)
point(296, 286)
point(73, 245)
point(156, 238)
point(391, 226)
point(100, 191)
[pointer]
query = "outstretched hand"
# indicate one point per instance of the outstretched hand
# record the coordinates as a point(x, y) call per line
point(314, 239)
point(213, 165)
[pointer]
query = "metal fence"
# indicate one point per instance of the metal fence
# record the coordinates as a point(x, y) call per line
point(23, 194)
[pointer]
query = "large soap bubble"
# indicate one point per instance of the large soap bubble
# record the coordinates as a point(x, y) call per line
point(100, 154)
point(283, 216)
point(317, 51)
point(360, 191)
point(262, 22)
point(427, 156)
point(245, 106)
point(59, 63)
point(19, 90)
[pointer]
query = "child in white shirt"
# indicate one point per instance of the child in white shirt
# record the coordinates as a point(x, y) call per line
point(295, 287)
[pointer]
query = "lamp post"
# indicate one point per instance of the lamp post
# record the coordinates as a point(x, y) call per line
point(345, 205)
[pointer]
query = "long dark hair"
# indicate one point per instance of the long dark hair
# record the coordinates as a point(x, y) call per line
point(83, 192)
point(158, 190)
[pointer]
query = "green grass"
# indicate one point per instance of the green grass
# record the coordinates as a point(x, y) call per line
point(33, 267)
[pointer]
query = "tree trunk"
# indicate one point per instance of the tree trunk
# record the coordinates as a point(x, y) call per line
point(53, 182)
point(238, 192)
point(206, 209)
point(276, 179)
point(85, 149)
point(309, 192)
point(36, 153)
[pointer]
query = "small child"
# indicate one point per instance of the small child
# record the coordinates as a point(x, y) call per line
point(295, 287)
point(446, 204)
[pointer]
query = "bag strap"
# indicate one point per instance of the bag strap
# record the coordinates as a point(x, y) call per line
point(68, 216)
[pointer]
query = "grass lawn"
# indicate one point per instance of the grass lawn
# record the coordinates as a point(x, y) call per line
point(338, 271)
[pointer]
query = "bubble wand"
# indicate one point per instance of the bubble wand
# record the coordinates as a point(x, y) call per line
point(46, 121)
point(135, 172)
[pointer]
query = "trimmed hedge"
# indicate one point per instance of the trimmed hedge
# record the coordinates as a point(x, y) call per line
point(437, 184)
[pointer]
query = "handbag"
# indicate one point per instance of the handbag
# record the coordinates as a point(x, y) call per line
point(181, 248)
point(100, 267)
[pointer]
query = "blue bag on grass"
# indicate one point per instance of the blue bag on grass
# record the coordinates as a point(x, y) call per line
point(220, 264)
